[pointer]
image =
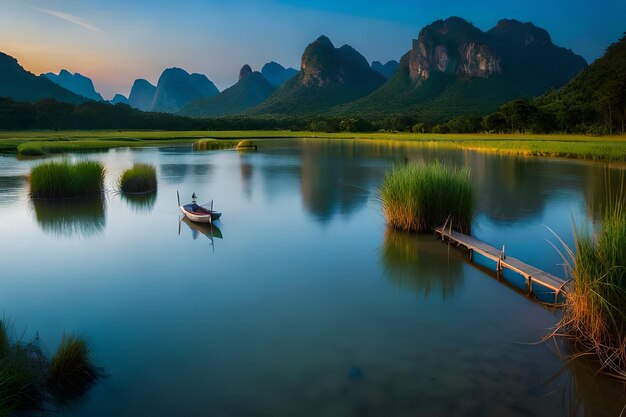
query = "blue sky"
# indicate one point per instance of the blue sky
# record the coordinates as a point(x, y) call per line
point(117, 41)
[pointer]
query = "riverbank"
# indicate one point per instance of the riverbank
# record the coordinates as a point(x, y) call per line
point(600, 148)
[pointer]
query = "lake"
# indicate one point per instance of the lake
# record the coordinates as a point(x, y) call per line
point(300, 302)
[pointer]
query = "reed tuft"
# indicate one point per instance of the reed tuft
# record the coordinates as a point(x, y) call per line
point(141, 178)
point(65, 179)
point(419, 198)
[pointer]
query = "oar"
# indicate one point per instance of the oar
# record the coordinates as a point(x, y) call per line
point(179, 222)
point(178, 198)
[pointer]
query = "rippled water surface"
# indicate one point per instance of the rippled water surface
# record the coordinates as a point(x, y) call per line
point(299, 302)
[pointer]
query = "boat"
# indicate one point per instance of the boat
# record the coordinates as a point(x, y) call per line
point(197, 213)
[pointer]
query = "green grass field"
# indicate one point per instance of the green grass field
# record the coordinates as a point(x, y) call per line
point(611, 148)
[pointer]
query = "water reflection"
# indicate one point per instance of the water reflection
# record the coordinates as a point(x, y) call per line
point(421, 263)
point(141, 203)
point(336, 176)
point(209, 230)
point(594, 394)
point(71, 217)
point(245, 169)
point(602, 186)
point(174, 173)
point(11, 188)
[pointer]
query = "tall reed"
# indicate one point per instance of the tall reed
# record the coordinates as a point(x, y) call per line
point(420, 198)
point(66, 179)
point(141, 178)
point(594, 316)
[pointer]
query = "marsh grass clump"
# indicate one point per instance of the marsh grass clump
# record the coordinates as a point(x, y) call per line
point(141, 178)
point(213, 144)
point(72, 372)
point(4, 339)
point(594, 316)
point(29, 381)
point(419, 198)
point(65, 179)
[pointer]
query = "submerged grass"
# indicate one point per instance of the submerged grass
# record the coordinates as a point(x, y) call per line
point(66, 179)
point(29, 380)
point(141, 178)
point(594, 316)
point(71, 372)
point(419, 198)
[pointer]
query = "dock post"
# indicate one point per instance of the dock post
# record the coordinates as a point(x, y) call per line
point(499, 269)
point(529, 284)
point(470, 254)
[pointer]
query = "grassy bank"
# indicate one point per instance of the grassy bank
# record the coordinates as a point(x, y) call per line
point(594, 317)
point(141, 178)
point(418, 198)
point(67, 180)
point(556, 145)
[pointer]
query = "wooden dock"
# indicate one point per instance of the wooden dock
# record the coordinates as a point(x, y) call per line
point(529, 272)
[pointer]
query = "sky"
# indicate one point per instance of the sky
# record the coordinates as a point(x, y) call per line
point(115, 42)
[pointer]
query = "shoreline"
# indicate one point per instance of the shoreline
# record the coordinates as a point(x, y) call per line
point(568, 146)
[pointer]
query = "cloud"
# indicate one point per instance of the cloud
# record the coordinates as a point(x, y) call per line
point(69, 18)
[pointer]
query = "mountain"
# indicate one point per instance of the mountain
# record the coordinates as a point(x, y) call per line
point(595, 100)
point(328, 76)
point(176, 88)
point(251, 89)
point(21, 85)
point(386, 70)
point(454, 68)
point(119, 98)
point(276, 74)
point(76, 83)
point(141, 95)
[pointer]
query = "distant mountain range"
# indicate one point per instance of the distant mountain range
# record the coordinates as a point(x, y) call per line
point(119, 98)
point(456, 69)
point(276, 74)
point(387, 70)
point(251, 90)
point(76, 83)
point(452, 68)
point(141, 95)
point(21, 85)
point(176, 88)
point(328, 77)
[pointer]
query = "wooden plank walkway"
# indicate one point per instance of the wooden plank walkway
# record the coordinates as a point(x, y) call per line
point(529, 272)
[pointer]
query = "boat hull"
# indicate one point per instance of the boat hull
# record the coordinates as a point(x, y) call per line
point(197, 217)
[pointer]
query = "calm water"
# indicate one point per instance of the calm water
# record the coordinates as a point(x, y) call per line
point(301, 303)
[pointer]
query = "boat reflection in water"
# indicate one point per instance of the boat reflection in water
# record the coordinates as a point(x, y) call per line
point(72, 217)
point(209, 230)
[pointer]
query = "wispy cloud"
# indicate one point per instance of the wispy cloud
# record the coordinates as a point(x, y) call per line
point(69, 18)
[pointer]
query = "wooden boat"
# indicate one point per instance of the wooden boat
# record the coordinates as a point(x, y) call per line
point(197, 213)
